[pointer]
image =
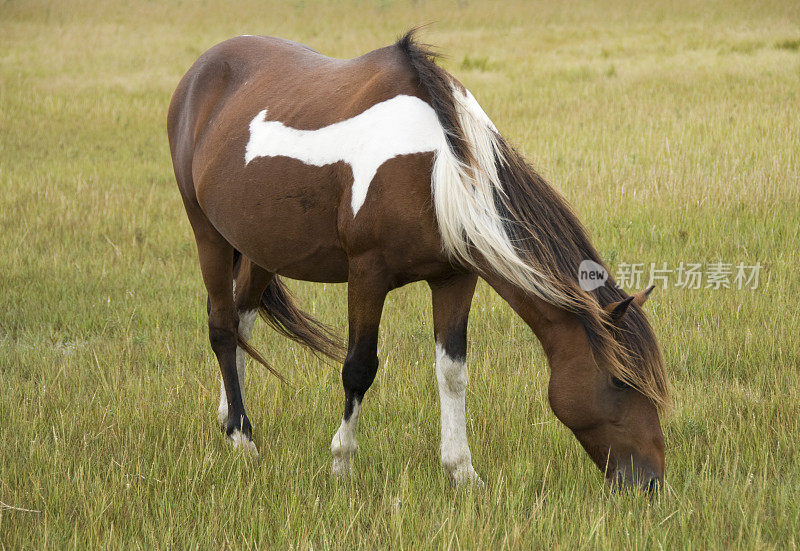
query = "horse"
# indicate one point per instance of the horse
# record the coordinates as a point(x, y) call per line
point(379, 171)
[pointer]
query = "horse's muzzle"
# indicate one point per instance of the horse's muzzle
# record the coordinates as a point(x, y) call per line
point(644, 479)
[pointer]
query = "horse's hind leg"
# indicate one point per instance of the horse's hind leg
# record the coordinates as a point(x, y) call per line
point(249, 283)
point(216, 264)
point(451, 303)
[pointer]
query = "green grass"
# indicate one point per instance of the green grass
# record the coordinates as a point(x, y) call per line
point(674, 131)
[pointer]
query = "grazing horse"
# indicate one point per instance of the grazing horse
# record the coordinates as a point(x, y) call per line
point(380, 171)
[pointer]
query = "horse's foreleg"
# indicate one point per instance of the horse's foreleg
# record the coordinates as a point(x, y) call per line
point(366, 292)
point(451, 303)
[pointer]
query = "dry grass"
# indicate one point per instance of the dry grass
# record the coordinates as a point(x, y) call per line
point(672, 129)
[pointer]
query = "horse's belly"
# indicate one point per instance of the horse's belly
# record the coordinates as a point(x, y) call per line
point(281, 214)
point(322, 265)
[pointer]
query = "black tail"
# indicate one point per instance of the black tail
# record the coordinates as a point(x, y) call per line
point(279, 310)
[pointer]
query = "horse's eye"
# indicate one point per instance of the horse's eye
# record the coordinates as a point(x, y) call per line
point(619, 383)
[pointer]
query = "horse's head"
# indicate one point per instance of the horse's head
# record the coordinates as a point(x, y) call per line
point(615, 422)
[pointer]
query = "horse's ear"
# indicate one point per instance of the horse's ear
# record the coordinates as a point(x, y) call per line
point(617, 309)
point(640, 297)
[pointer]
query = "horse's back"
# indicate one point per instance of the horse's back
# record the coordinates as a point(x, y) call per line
point(303, 88)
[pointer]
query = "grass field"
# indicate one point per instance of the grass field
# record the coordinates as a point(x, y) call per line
point(673, 129)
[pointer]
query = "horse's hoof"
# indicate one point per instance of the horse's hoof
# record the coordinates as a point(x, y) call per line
point(242, 442)
point(340, 468)
point(478, 482)
point(466, 477)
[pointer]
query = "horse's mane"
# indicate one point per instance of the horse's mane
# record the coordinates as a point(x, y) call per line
point(488, 199)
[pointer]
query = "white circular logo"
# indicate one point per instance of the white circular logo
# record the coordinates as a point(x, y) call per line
point(591, 275)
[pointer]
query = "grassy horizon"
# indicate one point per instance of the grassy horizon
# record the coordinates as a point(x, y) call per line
point(673, 131)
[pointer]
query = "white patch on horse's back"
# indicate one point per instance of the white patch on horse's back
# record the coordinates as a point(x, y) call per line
point(402, 125)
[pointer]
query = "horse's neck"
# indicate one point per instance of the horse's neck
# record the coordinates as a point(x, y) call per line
point(552, 325)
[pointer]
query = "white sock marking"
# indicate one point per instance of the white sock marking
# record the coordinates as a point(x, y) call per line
point(401, 125)
point(222, 410)
point(344, 445)
point(451, 374)
point(239, 440)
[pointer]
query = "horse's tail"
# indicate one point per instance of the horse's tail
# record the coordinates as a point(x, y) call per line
point(277, 308)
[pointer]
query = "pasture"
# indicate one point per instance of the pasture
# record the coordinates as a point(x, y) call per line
point(673, 130)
